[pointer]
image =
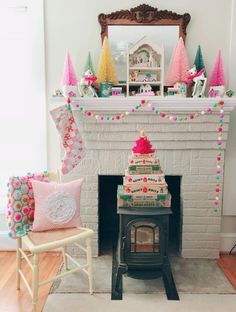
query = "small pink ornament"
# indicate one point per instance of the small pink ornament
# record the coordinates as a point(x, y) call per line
point(89, 114)
point(132, 110)
point(219, 143)
point(143, 101)
point(174, 118)
point(220, 129)
point(117, 117)
point(209, 110)
point(218, 158)
point(162, 115)
point(153, 108)
point(216, 202)
point(217, 190)
point(101, 117)
point(191, 116)
point(218, 171)
point(221, 115)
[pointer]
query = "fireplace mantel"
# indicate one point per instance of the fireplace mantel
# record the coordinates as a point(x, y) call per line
point(165, 104)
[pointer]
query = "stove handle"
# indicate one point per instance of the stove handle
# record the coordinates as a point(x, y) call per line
point(123, 242)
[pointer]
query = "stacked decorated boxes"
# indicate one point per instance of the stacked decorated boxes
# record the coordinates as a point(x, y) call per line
point(144, 182)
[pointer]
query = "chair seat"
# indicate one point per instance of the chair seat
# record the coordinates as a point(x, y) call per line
point(43, 241)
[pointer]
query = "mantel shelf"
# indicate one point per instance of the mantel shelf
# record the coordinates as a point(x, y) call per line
point(168, 104)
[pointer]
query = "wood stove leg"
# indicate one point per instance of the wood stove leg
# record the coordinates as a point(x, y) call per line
point(169, 282)
point(116, 282)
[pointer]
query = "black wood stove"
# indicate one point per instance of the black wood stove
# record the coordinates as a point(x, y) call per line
point(142, 249)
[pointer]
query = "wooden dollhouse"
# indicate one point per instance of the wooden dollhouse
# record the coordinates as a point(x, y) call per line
point(145, 66)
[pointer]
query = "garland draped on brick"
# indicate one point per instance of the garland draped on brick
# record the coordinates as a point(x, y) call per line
point(214, 107)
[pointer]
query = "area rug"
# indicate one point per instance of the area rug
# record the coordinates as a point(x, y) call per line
point(192, 276)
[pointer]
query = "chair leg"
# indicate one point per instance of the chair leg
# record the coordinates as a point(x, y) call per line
point(35, 281)
point(90, 264)
point(18, 261)
point(65, 260)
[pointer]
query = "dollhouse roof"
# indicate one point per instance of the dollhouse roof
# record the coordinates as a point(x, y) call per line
point(146, 41)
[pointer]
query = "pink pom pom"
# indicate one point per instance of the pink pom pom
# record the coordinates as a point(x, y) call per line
point(219, 143)
point(18, 217)
point(217, 190)
point(162, 115)
point(216, 202)
point(153, 108)
point(220, 129)
point(218, 171)
point(191, 116)
point(101, 117)
point(76, 105)
point(143, 101)
point(117, 117)
point(89, 114)
point(132, 110)
point(218, 158)
point(221, 115)
point(209, 110)
point(175, 118)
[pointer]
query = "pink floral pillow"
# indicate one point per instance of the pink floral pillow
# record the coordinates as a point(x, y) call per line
point(20, 206)
point(57, 206)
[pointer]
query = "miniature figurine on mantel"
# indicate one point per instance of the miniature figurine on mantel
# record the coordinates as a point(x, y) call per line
point(69, 80)
point(217, 78)
point(145, 65)
point(106, 71)
point(145, 90)
point(88, 82)
point(199, 80)
point(177, 75)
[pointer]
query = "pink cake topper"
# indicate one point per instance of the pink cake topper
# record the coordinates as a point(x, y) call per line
point(143, 145)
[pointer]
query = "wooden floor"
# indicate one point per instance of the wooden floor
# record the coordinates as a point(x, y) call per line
point(20, 301)
point(227, 263)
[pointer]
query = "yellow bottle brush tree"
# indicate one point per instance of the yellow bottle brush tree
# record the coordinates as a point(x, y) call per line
point(106, 70)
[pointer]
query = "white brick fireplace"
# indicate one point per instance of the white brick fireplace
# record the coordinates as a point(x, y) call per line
point(187, 149)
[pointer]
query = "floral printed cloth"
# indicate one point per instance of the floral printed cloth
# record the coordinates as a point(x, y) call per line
point(20, 205)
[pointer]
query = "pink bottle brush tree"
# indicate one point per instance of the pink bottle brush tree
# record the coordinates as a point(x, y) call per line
point(69, 80)
point(217, 78)
point(179, 65)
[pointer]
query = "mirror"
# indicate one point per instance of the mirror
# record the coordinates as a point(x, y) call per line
point(122, 38)
point(125, 27)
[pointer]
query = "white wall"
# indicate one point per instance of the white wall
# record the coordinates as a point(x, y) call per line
point(73, 25)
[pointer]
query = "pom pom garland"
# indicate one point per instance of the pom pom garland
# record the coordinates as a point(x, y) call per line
point(153, 108)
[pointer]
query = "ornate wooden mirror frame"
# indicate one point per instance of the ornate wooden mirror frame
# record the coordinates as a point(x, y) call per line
point(144, 15)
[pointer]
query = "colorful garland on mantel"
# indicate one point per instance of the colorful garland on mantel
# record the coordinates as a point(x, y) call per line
point(144, 102)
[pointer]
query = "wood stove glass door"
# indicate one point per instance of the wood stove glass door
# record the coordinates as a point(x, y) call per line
point(144, 237)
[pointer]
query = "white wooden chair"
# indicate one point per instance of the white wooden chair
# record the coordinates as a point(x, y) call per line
point(38, 242)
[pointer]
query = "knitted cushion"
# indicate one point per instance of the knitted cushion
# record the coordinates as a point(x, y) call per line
point(20, 206)
point(57, 206)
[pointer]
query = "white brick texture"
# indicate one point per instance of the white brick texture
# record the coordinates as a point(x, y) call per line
point(185, 149)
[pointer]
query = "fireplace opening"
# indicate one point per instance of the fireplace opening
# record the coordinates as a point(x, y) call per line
point(108, 225)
